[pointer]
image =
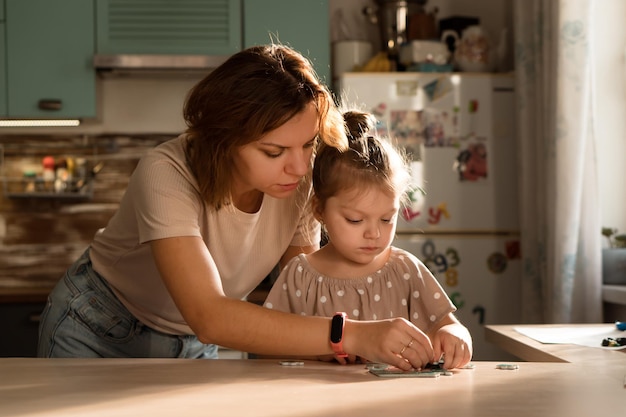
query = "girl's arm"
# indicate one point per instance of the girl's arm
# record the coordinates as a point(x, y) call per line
point(191, 276)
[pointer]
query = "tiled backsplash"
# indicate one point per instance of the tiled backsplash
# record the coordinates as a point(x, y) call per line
point(41, 236)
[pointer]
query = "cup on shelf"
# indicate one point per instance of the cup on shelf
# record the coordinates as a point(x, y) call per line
point(350, 55)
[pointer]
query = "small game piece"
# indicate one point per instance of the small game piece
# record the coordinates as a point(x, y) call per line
point(507, 366)
point(291, 363)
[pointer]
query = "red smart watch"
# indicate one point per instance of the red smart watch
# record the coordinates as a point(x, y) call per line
point(336, 334)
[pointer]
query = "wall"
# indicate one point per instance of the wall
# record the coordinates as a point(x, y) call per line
point(41, 236)
point(137, 107)
point(610, 108)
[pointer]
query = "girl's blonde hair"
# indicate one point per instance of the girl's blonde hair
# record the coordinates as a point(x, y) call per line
point(254, 92)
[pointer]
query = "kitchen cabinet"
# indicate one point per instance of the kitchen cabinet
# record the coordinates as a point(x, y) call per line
point(302, 24)
point(3, 63)
point(3, 70)
point(49, 50)
point(20, 327)
point(183, 27)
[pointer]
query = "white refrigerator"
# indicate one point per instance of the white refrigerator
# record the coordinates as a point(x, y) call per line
point(462, 219)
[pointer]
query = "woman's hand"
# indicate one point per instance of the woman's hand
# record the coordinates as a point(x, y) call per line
point(396, 342)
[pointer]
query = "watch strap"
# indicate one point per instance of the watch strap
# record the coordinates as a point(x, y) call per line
point(336, 334)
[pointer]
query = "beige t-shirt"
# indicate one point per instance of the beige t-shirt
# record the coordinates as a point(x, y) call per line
point(403, 287)
point(162, 200)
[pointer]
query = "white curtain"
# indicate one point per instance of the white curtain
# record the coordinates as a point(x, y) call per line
point(560, 214)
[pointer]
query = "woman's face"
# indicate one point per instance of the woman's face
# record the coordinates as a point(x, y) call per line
point(276, 163)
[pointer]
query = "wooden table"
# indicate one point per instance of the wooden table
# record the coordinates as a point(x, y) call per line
point(529, 349)
point(183, 387)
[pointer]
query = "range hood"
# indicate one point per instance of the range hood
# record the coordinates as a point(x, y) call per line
point(156, 64)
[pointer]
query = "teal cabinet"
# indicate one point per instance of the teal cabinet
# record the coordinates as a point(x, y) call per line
point(3, 63)
point(301, 24)
point(183, 27)
point(49, 52)
point(3, 72)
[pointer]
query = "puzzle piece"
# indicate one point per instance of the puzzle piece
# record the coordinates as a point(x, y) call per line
point(432, 370)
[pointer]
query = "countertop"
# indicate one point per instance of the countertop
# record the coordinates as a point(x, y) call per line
point(505, 337)
point(615, 294)
point(39, 294)
point(24, 294)
point(585, 382)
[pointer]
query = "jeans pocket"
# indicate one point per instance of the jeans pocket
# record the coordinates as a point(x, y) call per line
point(102, 320)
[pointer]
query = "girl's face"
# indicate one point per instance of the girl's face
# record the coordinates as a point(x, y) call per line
point(276, 163)
point(361, 225)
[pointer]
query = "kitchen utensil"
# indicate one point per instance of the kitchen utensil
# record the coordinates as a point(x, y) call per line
point(392, 17)
point(423, 26)
point(457, 24)
point(424, 51)
point(473, 51)
point(350, 55)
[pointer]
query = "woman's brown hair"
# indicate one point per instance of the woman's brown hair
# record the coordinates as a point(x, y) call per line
point(253, 92)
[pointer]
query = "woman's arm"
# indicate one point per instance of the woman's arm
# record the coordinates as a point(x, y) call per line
point(192, 278)
point(293, 251)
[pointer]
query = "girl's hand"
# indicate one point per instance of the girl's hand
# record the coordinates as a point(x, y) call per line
point(396, 342)
point(454, 342)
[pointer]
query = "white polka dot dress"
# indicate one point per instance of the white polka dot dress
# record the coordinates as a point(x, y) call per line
point(403, 287)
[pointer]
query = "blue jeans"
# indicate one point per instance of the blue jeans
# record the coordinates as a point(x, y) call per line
point(84, 319)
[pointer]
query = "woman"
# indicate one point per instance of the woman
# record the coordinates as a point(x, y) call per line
point(205, 218)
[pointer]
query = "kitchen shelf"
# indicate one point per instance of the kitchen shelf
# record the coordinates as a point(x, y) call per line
point(76, 189)
point(85, 193)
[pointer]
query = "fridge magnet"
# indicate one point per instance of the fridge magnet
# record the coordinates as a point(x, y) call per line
point(409, 214)
point(480, 310)
point(438, 126)
point(512, 249)
point(379, 111)
point(407, 88)
point(471, 162)
point(407, 130)
point(435, 213)
point(452, 277)
point(413, 207)
point(457, 300)
point(381, 124)
point(497, 262)
point(438, 88)
point(472, 109)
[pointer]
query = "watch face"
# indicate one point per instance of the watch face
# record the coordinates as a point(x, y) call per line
point(336, 329)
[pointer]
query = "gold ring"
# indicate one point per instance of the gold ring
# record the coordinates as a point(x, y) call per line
point(411, 342)
point(402, 351)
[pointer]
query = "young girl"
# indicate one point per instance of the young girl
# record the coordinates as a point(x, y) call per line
point(357, 195)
